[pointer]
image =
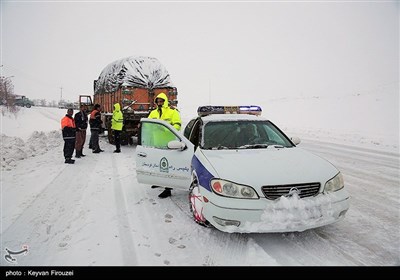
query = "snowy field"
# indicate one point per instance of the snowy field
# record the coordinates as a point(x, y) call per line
point(94, 213)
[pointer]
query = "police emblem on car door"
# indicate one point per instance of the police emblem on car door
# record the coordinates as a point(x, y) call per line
point(158, 164)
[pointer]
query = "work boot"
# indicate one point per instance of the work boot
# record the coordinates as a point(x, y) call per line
point(77, 154)
point(165, 193)
point(70, 161)
point(117, 151)
point(154, 186)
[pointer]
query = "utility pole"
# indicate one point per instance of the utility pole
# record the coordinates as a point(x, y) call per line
point(61, 94)
point(209, 91)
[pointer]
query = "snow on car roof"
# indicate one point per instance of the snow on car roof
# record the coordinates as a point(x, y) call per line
point(241, 109)
point(231, 117)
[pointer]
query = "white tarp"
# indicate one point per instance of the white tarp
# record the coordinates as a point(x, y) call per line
point(141, 71)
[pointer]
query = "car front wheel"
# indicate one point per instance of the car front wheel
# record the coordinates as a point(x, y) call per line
point(197, 205)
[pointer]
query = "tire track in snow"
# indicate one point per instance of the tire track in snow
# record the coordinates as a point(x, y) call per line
point(124, 228)
point(363, 156)
point(146, 214)
point(46, 221)
point(51, 115)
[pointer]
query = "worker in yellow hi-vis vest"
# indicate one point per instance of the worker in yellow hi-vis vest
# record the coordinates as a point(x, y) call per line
point(171, 115)
point(117, 123)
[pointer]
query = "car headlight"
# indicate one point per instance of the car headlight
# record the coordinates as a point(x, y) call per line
point(230, 189)
point(334, 184)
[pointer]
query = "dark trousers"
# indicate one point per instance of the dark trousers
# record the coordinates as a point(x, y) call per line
point(69, 145)
point(80, 139)
point(117, 139)
point(94, 139)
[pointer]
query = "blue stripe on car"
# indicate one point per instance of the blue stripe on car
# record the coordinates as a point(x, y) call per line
point(203, 174)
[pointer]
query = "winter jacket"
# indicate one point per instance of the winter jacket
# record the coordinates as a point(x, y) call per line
point(117, 120)
point(95, 120)
point(168, 114)
point(68, 127)
point(81, 120)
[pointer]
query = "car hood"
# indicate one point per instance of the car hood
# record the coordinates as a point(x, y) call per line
point(271, 166)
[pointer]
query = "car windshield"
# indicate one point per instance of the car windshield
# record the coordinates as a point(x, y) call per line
point(242, 135)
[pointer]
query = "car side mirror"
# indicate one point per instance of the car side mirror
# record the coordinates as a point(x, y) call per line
point(176, 145)
point(296, 140)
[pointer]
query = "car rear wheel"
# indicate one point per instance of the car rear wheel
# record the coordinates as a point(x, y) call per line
point(196, 205)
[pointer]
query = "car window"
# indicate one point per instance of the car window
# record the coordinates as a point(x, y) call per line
point(220, 135)
point(274, 137)
point(156, 135)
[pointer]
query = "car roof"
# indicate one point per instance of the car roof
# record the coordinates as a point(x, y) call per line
point(231, 117)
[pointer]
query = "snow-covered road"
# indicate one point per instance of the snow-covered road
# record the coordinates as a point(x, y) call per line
point(369, 234)
point(95, 213)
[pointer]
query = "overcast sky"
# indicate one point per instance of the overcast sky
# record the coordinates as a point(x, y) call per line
point(214, 52)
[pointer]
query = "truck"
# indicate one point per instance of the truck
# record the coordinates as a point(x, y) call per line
point(23, 101)
point(133, 82)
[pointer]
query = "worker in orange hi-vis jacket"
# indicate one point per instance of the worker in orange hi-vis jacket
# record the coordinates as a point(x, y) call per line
point(68, 133)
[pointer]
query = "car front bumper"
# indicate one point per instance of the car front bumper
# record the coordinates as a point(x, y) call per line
point(286, 214)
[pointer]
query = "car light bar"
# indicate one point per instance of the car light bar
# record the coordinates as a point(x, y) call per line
point(208, 110)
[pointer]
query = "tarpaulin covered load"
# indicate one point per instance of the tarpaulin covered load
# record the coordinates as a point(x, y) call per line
point(141, 72)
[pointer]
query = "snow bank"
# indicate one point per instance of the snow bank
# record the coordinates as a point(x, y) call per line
point(15, 149)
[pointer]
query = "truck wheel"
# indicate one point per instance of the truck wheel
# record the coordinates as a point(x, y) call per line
point(28, 106)
point(124, 138)
point(110, 136)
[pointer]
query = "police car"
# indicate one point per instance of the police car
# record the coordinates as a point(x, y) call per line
point(242, 173)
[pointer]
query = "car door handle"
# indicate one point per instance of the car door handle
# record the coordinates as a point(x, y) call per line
point(142, 155)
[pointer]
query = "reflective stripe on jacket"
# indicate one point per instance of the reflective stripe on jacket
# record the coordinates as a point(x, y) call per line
point(68, 127)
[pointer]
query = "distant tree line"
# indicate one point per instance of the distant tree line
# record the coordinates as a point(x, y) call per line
point(7, 96)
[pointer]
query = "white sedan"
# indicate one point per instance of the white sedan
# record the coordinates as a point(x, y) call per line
point(243, 174)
